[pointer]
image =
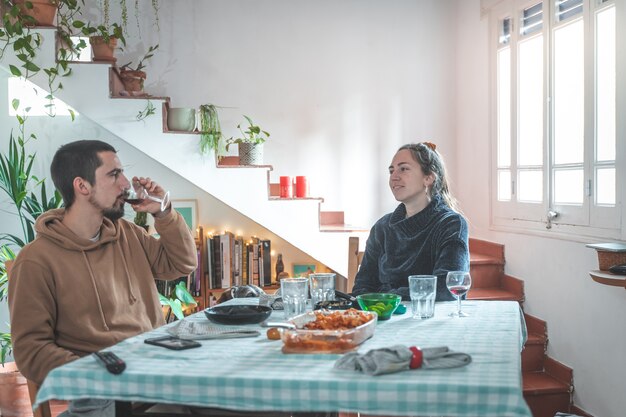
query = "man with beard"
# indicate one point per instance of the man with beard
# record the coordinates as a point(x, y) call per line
point(87, 281)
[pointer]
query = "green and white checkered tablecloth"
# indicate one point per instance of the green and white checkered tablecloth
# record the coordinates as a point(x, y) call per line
point(253, 373)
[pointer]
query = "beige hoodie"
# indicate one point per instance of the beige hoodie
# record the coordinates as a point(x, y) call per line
point(69, 296)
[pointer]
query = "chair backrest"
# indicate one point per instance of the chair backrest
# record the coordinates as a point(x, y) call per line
point(354, 261)
point(44, 408)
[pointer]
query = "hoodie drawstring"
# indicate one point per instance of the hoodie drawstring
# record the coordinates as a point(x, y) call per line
point(132, 297)
point(95, 288)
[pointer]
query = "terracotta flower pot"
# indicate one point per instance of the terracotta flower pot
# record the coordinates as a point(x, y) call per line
point(43, 11)
point(14, 399)
point(101, 50)
point(132, 80)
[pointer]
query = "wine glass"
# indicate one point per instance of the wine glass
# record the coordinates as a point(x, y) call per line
point(137, 193)
point(458, 283)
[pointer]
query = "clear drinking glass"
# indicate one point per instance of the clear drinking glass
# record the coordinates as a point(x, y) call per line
point(423, 292)
point(294, 292)
point(322, 287)
point(137, 193)
point(458, 283)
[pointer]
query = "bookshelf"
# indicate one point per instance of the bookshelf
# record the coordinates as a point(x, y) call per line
point(225, 261)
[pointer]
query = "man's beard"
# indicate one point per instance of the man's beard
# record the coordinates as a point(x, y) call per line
point(112, 213)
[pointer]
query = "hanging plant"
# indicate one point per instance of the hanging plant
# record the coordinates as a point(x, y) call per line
point(210, 129)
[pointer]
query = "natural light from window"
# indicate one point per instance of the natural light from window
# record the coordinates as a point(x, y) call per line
point(34, 97)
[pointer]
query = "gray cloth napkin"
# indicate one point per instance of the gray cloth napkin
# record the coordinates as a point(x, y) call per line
point(398, 358)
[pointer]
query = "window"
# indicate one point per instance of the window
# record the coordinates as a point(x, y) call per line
point(555, 106)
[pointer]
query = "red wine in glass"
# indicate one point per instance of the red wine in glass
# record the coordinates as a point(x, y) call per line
point(137, 194)
point(458, 290)
point(133, 200)
point(458, 283)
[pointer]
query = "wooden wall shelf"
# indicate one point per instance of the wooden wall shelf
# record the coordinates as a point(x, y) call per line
point(608, 279)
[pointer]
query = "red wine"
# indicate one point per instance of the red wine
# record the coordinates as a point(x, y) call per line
point(458, 290)
point(133, 200)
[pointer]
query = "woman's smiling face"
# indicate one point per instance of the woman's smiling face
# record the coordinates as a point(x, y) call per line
point(407, 181)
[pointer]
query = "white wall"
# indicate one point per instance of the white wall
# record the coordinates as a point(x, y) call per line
point(339, 85)
point(584, 317)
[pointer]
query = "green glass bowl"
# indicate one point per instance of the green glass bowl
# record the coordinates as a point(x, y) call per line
point(382, 304)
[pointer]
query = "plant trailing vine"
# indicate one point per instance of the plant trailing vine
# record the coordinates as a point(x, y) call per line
point(148, 111)
point(210, 129)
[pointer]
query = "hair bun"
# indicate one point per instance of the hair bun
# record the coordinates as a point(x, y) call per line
point(431, 145)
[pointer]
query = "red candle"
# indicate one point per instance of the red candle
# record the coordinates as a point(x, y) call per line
point(286, 187)
point(302, 187)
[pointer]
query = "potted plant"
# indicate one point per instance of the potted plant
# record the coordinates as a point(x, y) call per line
point(178, 301)
point(250, 144)
point(141, 220)
point(133, 77)
point(103, 40)
point(38, 12)
point(20, 185)
point(210, 129)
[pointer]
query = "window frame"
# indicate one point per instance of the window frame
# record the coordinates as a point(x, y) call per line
point(513, 216)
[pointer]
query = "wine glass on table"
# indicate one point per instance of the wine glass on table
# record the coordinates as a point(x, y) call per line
point(458, 283)
point(137, 193)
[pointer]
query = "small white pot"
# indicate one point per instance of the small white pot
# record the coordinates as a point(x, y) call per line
point(182, 119)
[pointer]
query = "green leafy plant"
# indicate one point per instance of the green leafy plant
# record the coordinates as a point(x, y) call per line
point(6, 254)
point(105, 31)
point(253, 134)
point(140, 66)
point(28, 195)
point(210, 129)
point(148, 111)
point(141, 218)
point(5, 346)
point(179, 297)
point(16, 35)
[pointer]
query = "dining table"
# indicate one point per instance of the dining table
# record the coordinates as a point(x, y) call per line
point(253, 373)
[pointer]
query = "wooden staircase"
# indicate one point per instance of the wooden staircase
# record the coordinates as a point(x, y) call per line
point(548, 384)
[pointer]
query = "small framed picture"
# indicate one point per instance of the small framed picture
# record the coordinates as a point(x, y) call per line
point(189, 210)
point(303, 270)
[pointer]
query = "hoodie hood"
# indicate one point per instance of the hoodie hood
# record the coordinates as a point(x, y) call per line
point(50, 225)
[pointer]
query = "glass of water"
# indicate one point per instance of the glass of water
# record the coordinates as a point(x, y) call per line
point(322, 287)
point(423, 291)
point(294, 292)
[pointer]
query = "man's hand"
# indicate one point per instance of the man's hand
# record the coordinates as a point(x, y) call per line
point(147, 205)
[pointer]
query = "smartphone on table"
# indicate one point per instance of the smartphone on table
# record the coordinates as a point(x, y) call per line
point(173, 343)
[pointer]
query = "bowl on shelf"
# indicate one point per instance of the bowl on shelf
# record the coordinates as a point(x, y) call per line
point(380, 303)
point(238, 314)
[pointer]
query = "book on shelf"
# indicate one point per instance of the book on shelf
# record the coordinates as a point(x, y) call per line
point(266, 262)
point(224, 261)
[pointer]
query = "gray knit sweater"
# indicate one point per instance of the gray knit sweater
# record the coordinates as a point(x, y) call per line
point(433, 241)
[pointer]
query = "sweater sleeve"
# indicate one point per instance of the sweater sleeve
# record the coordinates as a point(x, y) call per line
point(367, 277)
point(32, 309)
point(174, 254)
